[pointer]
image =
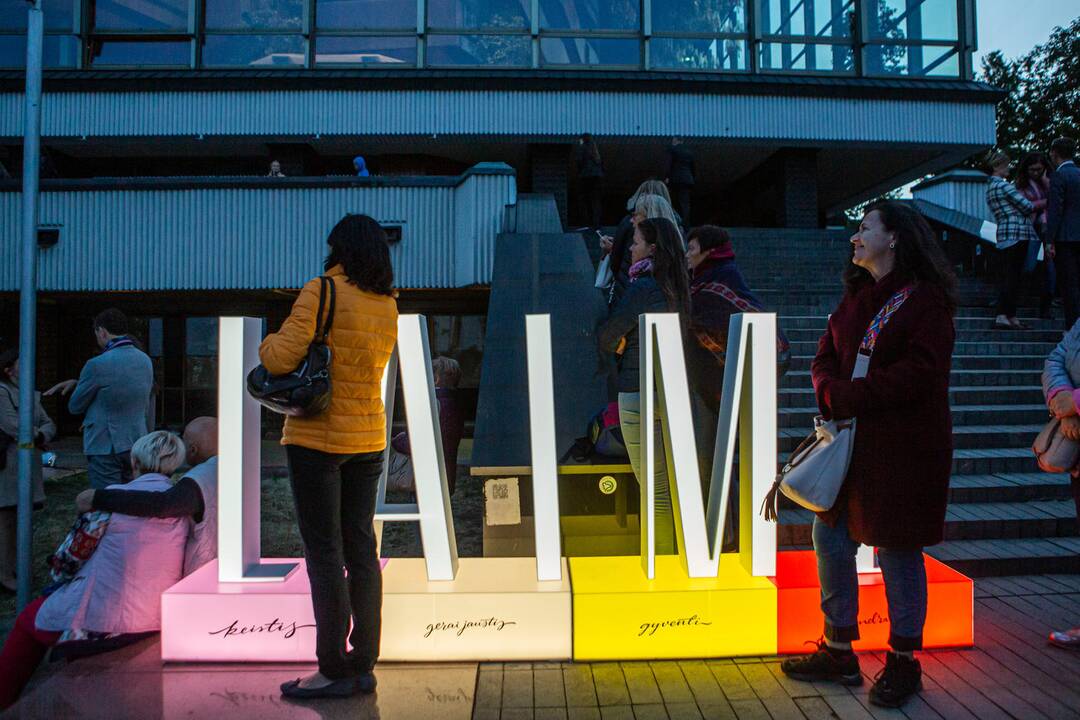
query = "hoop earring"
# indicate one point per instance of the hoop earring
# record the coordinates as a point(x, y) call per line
point(892, 246)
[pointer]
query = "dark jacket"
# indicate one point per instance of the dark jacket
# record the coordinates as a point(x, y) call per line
point(680, 165)
point(710, 315)
point(896, 490)
point(451, 427)
point(620, 259)
point(642, 295)
point(587, 166)
point(1063, 208)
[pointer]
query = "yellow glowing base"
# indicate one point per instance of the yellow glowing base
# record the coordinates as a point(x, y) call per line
point(494, 610)
point(619, 614)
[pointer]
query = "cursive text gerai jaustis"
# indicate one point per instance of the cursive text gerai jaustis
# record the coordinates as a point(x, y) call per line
point(287, 630)
point(460, 626)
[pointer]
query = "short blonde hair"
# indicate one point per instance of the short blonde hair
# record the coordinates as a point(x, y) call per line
point(649, 187)
point(1000, 158)
point(447, 370)
point(158, 452)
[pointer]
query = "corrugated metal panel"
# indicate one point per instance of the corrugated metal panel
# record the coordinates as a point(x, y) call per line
point(528, 113)
point(963, 193)
point(233, 238)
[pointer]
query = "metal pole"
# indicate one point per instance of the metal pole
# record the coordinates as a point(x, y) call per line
point(35, 36)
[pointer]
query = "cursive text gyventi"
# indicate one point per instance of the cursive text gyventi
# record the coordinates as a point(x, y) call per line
point(650, 628)
point(460, 626)
point(287, 630)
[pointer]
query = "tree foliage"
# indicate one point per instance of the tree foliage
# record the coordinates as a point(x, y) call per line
point(1043, 86)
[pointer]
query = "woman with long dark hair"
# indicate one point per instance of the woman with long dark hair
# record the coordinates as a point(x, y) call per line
point(1033, 183)
point(591, 176)
point(898, 305)
point(335, 458)
point(658, 283)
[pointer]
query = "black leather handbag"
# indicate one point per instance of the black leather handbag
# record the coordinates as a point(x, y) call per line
point(306, 390)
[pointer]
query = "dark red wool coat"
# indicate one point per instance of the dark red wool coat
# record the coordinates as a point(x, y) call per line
point(897, 486)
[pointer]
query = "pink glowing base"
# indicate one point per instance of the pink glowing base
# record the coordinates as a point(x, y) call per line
point(206, 620)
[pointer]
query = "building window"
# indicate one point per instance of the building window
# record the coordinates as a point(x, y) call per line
point(590, 15)
point(488, 50)
point(61, 47)
point(478, 15)
point(582, 51)
point(140, 53)
point(255, 33)
point(697, 53)
point(254, 50)
point(365, 50)
point(912, 37)
point(365, 15)
point(814, 36)
point(141, 15)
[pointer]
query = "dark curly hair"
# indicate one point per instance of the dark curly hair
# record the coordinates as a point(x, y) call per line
point(669, 267)
point(919, 258)
point(358, 244)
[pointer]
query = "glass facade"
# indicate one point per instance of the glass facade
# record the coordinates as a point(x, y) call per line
point(914, 38)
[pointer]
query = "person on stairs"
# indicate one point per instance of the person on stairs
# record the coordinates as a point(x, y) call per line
point(1060, 382)
point(1012, 212)
point(897, 306)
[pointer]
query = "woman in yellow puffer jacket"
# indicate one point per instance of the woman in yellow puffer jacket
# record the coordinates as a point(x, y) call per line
point(335, 458)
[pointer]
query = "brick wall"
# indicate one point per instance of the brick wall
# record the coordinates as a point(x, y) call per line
point(548, 166)
point(799, 204)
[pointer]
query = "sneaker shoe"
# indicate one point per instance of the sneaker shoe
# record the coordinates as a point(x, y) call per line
point(1068, 639)
point(900, 679)
point(824, 665)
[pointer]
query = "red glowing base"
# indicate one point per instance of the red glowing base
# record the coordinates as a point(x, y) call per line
point(949, 619)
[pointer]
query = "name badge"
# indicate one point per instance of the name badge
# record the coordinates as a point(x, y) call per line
point(862, 366)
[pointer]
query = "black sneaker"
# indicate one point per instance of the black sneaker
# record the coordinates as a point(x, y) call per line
point(901, 678)
point(825, 665)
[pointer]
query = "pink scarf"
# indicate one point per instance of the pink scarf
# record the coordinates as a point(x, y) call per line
point(641, 267)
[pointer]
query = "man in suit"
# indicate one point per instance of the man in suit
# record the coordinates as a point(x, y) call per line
point(1063, 224)
point(113, 391)
point(680, 177)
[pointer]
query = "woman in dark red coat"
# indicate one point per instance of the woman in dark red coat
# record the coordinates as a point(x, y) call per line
point(895, 493)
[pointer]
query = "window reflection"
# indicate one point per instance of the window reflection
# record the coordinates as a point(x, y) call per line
point(496, 50)
point(255, 50)
point(590, 14)
point(365, 50)
point(140, 15)
point(823, 18)
point(911, 19)
point(590, 51)
point(365, 15)
point(478, 14)
point(59, 14)
point(799, 57)
point(59, 51)
point(254, 14)
point(141, 53)
point(699, 16)
point(689, 54)
point(917, 60)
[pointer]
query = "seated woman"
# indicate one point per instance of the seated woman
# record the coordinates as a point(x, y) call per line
point(118, 590)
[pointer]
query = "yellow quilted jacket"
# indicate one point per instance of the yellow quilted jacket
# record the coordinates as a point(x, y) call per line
point(361, 340)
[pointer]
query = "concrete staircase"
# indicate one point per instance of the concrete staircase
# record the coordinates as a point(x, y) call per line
point(1005, 517)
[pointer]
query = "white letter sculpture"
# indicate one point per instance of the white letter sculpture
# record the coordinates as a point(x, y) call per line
point(239, 458)
point(545, 477)
point(749, 394)
point(432, 508)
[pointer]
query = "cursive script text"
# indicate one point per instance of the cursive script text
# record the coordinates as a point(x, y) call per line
point(458, 627)
point(287, 630)
point(650, 628)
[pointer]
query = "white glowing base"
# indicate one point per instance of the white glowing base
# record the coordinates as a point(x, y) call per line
point(495, 610)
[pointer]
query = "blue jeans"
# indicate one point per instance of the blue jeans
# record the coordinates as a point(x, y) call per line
point(106, 470)
point(630, 423)
point(905, 587)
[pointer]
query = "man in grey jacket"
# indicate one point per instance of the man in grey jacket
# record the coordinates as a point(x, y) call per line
point(113, 391)
point(1063, 224)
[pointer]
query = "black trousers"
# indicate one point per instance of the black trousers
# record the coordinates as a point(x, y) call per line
point(591, 196)
point(1067, 262)
point(335, 508)
point(680, 198)
point(1013, 259)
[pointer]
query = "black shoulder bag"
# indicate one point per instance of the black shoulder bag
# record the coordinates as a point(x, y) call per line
point(306, 390)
